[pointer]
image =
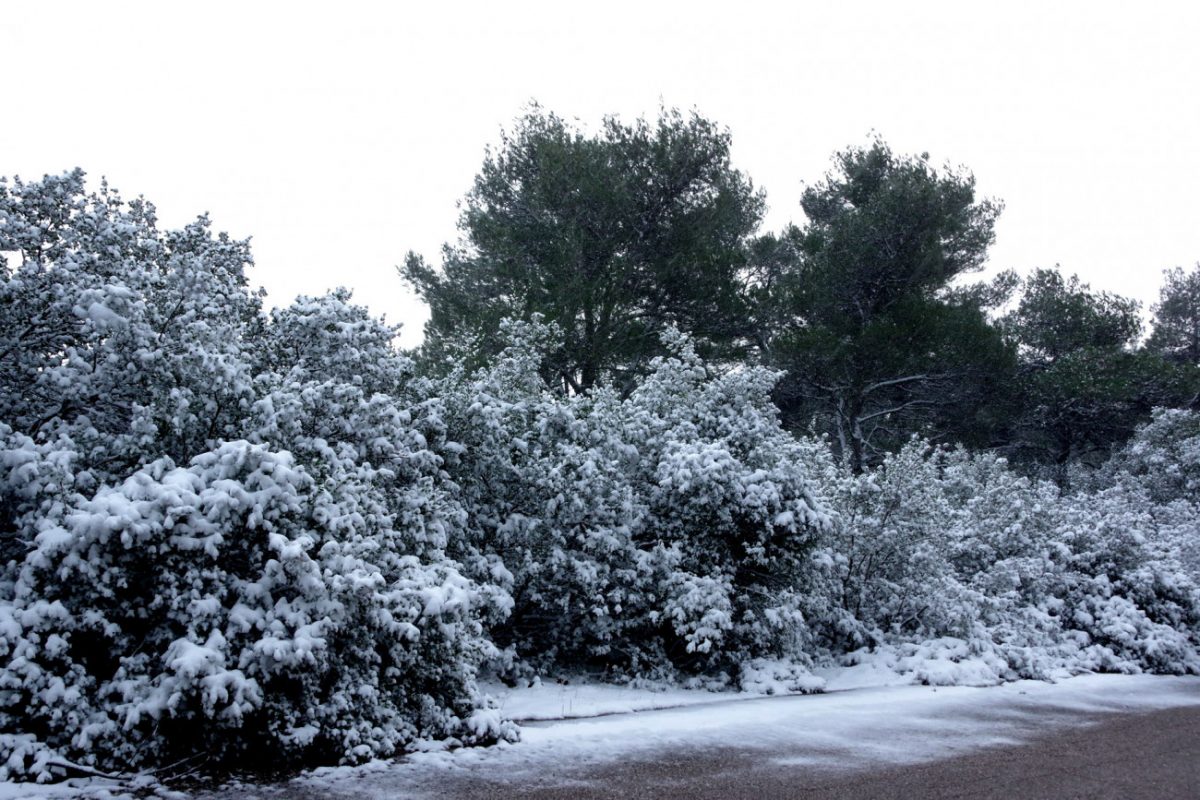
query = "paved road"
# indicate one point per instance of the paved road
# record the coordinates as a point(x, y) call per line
point(1122, 757)
point(1119, 737)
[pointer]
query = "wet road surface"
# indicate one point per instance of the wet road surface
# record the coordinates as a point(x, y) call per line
point(1123, 757)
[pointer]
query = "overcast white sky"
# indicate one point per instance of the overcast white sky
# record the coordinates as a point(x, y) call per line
point(341, 135)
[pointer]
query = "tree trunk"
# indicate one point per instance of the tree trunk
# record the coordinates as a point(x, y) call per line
point(857, 445)
point(589, 369)
point(850, 433)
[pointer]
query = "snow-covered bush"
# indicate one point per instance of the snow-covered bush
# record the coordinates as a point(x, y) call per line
point(942, 543)
point(1163, 456)
point(887, 560)
point(644, 534)
point(727, 489)
point(224, 535)
point(230, 609)
point(1162, 462)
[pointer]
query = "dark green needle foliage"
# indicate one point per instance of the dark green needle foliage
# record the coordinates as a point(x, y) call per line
point(1084, 382)
point(612, 236)
point(875, 343)
point(1177, 317)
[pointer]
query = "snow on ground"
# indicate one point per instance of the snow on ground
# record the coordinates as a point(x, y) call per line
point(548, 701)
point(140, 787)
point(91, 788)
point(938, 662)
point(838, 731)
point(934, 663)
point(865, 720)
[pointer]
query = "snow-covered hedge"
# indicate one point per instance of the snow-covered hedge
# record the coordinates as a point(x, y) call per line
point(942, 543)
point(667, 530)
point(231, 609)
point(224, 535)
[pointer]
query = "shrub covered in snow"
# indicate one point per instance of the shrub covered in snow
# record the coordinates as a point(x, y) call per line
point(661, 531)
point(224, 535)
point(938, 543)
point(1163, 457)
point(230, 608)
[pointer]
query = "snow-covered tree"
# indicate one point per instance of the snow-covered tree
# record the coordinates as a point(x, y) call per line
point(224, 534)
point(125, 340)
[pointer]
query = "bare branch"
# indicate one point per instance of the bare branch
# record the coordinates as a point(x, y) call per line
point(894, 409)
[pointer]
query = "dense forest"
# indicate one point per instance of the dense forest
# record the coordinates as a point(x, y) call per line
point(643, 440)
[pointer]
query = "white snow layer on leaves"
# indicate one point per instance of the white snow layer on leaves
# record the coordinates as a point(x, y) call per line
point(233, 538)
point(224, 534)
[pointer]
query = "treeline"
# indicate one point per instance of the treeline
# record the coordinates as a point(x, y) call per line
point(232, 538)
point(618, 235)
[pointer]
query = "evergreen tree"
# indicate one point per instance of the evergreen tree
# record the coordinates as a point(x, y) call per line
point(1084, 383)
point(873, 340)
point(1177, 317)
point(612, 237)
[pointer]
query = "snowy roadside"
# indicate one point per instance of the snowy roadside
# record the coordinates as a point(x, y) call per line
point(842, 730)
point(579, 699)
point(865, 720)
point(939, 662)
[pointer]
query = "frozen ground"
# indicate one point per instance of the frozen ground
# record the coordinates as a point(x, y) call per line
point(550, 700)
point(557, 701)
point(847, 731)
point(836, 732)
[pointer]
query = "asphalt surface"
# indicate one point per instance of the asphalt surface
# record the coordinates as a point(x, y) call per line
point(1117, 756)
